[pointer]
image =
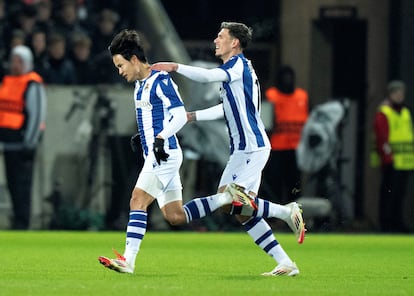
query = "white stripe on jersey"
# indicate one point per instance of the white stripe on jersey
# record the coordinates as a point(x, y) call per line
point(153, 98)
point(241, 102)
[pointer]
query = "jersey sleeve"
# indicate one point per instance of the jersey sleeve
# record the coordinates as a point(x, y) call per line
point(202, 75)
point(177, 120)
point(212, 113)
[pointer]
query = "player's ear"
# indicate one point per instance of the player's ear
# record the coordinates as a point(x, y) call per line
point(235, 42)
point(134, 59)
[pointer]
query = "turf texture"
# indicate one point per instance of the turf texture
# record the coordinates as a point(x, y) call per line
point(186, 263)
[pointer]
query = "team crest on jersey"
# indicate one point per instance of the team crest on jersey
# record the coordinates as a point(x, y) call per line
point(146, 105)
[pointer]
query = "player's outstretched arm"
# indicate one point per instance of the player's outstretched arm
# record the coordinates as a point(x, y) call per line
point(212, 113)
point(165, 66)
point(194, 73)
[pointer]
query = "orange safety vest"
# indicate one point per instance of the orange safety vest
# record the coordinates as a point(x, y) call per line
point(291, 113)
point(12, 100)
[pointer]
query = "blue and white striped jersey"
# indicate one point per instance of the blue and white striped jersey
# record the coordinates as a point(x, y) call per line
point(241, 102)
point(154, 97)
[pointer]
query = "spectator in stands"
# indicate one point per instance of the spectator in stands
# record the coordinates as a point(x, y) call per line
point(3, 21)
point(2, 17)
point(104, 31)
point(57, 67)
point(18, 37)
point(68, 23)
point(44, 18)
point(3, 35)
point(39, 48)
point(102, 34)
point(26, 19)
point(81, 57)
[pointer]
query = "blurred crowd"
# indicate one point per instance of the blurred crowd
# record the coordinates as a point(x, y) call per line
point(69, 38)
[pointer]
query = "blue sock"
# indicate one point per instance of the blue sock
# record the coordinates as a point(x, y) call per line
point(196, 209)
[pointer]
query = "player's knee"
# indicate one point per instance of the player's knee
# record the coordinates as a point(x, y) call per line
point(140, 200)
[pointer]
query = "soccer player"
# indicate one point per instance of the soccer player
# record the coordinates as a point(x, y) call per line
point(249, 144)
point(160, 113)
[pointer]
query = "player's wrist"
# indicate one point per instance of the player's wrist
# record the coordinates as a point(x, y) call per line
point(191, 116)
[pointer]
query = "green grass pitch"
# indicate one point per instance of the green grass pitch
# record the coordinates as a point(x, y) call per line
point(183, 263)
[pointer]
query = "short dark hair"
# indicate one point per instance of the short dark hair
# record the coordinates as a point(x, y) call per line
point(128, 43)
point(239, 31)
point(56, 38)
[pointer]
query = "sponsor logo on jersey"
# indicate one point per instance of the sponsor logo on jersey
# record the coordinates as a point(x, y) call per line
point(146, 105)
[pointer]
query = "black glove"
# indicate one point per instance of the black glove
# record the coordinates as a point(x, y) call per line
point(159, 150)
point(135, 142)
